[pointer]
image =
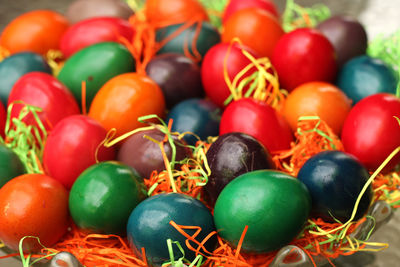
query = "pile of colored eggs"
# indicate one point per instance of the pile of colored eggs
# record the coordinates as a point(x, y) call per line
point(324, 70)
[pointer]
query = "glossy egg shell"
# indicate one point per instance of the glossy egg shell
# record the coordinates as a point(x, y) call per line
point(198, 116)
point(11, 165)
point(149, 226)
point(145, 155)
point(231, 155)
point(83, 9)
point(335, 180)
point(124, 99)
point(347, 36)
point(364, 76)
point(14, 67)
point(236, 5)
point(205, 39)
point(259, 120)
point(94, 30)
point(95, 65)
point(33, 205)
point(46, 92)
point(178, 77)
point(71, 148)
point(274, 206)
point(103, 197)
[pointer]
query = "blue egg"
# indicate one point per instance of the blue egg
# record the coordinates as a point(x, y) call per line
point(363, 76)
point(207, 37)
point(149, 226)
point(14, 67)
point(335, 180)
point(198, 116)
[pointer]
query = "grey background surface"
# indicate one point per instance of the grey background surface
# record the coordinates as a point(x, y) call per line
point(379, 17)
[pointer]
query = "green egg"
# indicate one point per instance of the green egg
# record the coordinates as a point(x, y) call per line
point(207, 37)
point(103, 197)
point(95, 64)
point(274, 206)
point(10, 165)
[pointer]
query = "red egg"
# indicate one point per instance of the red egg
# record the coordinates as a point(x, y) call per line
point(71, 147)
point(33, 205)
point(304, 55)
point(236, 5)
point(371, 131)
point(94, 30)
point(46, 92)
point(259, 120)
point(212, 70)
point(3, 118)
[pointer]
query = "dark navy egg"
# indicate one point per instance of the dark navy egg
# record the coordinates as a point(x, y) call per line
point(364, 76)
point(231, 155)
point(177, 75)
point(14, 67)
point(347, 35)
point(198, 116)
point(335, 180)
point(149, 226)
point(205, 38)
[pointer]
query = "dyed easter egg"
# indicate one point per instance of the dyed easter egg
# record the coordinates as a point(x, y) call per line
point(274, 206)
point(35, 31)
point(202, 39)
point(259, 120)
point(149, 226)
point(3, 119)
point(124, 99)
point(236, 5)
point(161, 12)
point(11, 165)
point(198, 116)
point(231, 155)
point(84, 9)
point(14, 67)
point(145, 155)
point(364, 76)
point(256, 28)
point(103, 197)
point(220, 57)
point(347, 36)
point(304, 55)
point(371, 131)
point(320, 99)
point(71, 148)
point(335, 180)
point(33, 205)
point(95, 64)
point(178, 77)
point(94, 30)
point(46, 92)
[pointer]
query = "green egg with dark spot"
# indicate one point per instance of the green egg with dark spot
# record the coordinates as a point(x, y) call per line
point(95, 65)
point(207, 36)
point(11, 165)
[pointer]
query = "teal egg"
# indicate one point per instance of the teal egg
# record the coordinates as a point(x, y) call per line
point(274, 206)
point(10, 165)
point(95, 64)
point(207, 37)
point(364, 76)
point(14, 67)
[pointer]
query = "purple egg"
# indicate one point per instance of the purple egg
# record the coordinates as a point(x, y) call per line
point(178, 77)
point(145, 155)
point(347, 35)
point(231, 155)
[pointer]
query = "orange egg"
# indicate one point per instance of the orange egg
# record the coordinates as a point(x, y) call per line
point(317, 99)
point(35, 31)
point(125, 98)
point(167, 12)
point(256, 28)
